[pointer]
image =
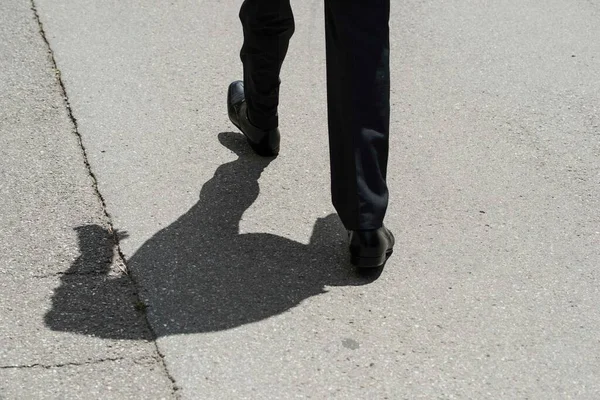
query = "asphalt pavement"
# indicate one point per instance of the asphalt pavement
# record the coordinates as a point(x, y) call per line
point(147, 253)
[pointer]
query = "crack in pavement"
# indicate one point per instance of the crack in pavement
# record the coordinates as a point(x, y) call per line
point(68, 364)
point(141, 361)
point(76, 128)
point(120, 257)
point(67, 273)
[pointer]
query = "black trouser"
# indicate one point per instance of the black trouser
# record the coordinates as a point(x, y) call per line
point(358, 94)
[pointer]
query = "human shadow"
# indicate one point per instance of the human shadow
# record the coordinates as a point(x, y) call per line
point(200, 274)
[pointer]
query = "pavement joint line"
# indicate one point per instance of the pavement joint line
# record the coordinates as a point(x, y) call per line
point(113, 232)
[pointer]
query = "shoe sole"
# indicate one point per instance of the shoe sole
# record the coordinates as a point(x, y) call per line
point(370, 262)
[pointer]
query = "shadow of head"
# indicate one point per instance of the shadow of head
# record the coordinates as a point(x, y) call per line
point(200, 274)
point(94, 296)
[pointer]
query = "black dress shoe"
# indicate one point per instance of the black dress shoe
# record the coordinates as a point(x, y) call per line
point(264, 143)
point(372, 248)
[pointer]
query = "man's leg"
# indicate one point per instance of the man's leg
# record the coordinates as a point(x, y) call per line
point(358, 91)
point(268, 26)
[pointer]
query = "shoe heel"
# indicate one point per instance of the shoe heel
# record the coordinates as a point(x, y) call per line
point(263, 149)
point(368, 262)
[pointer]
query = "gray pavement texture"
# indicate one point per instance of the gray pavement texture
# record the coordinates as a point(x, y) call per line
point(494, 172)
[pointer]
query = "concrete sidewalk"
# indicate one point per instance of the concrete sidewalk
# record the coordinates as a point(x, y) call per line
point(238, 284)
